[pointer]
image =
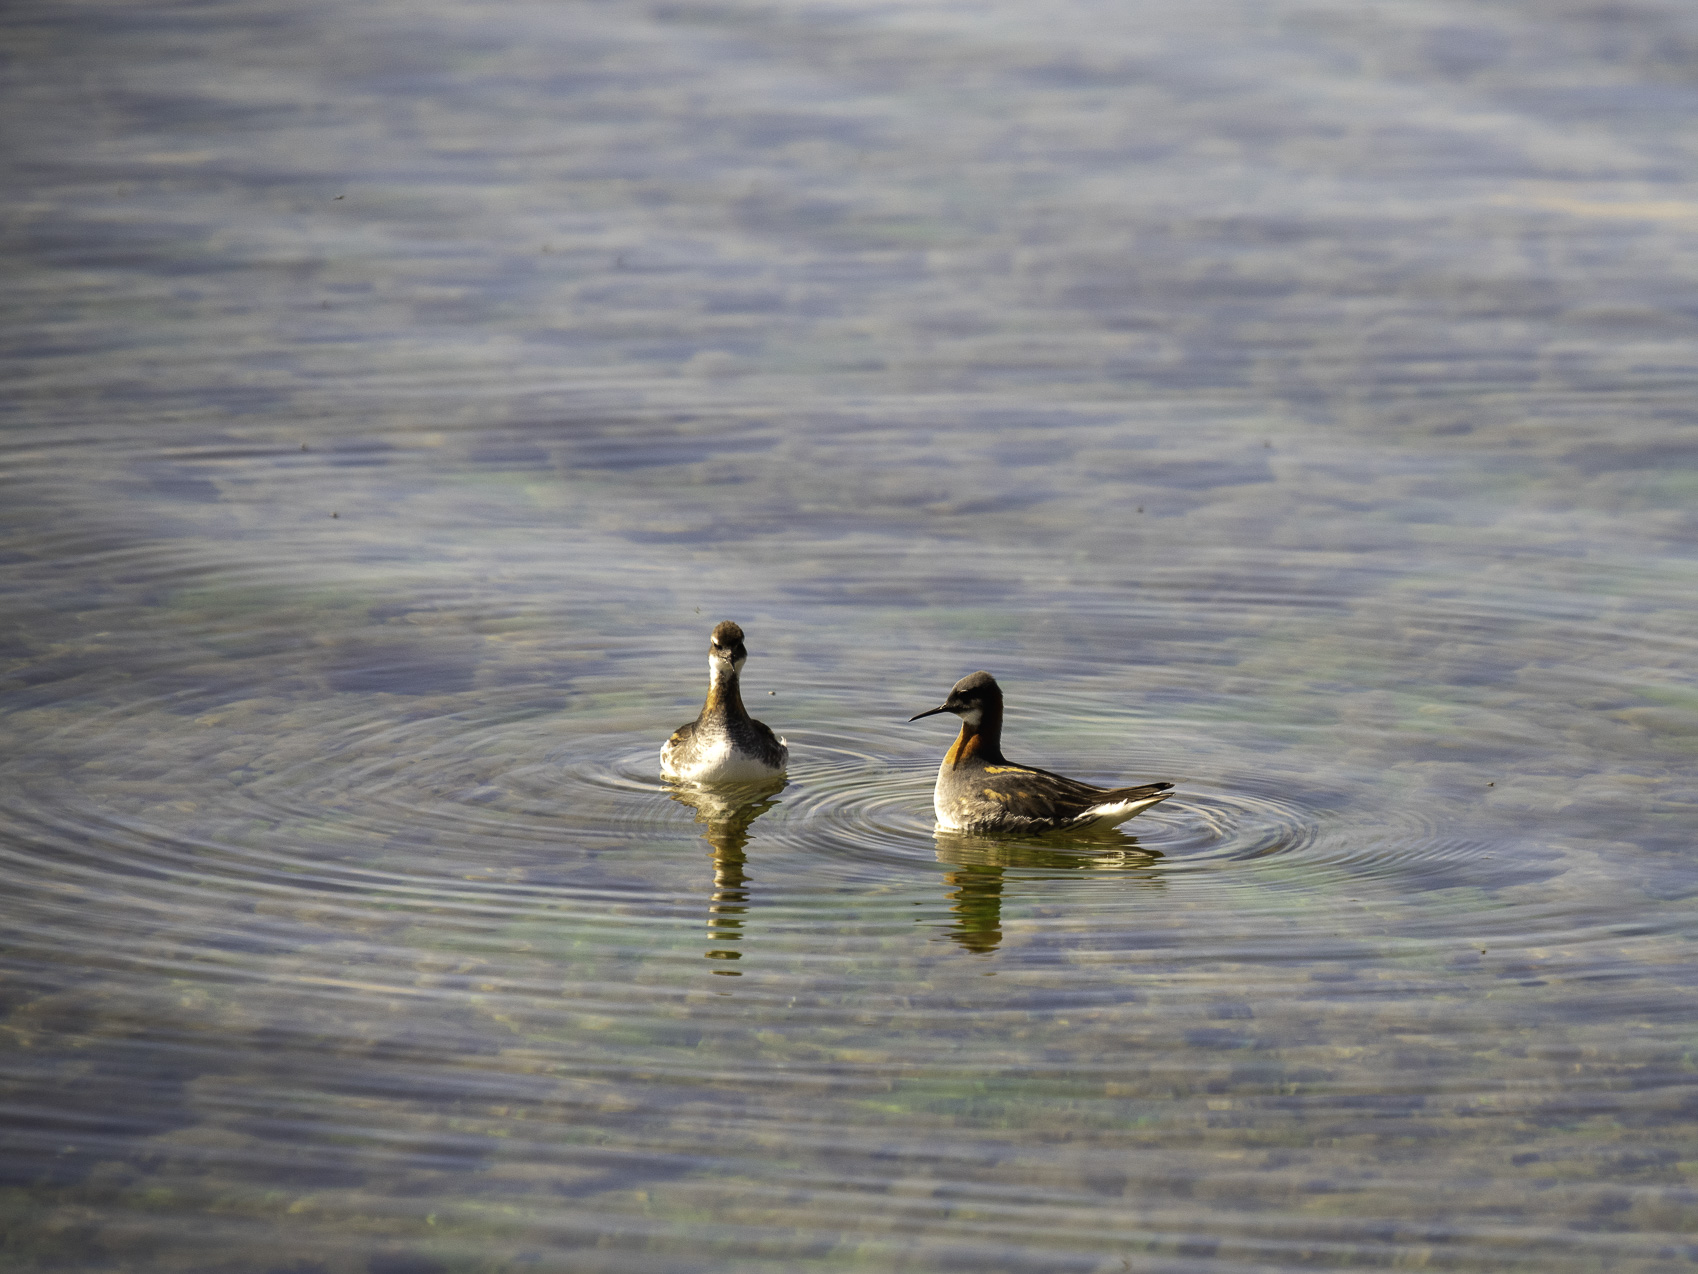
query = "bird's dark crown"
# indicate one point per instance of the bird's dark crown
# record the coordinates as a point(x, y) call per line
point(727, 636)
point(975, 687)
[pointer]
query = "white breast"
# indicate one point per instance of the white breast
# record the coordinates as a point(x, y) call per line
point(719, 762)
point(946, 818)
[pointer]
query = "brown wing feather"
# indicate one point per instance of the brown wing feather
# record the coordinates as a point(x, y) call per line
point(769, 748)
point(1032, 796)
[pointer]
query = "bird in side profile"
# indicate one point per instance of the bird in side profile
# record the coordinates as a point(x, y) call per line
point(724, 744)
point(980, 790)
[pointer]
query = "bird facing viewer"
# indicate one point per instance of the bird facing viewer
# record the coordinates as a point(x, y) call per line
point(724, 744)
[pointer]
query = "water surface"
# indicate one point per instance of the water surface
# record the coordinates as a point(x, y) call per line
point(1292, 401)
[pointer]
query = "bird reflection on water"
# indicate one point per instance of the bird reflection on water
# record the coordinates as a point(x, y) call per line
point(726, 811)
point(979, 864)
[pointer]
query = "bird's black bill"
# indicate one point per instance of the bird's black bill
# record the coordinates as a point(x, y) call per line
point(930, 712)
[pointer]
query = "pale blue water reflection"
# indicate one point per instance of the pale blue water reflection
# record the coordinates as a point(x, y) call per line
point(1290, 401)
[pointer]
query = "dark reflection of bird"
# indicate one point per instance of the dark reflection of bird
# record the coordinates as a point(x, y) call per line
point(727, 812)
point(980, 864)
point(724, 744)
point(980, 790)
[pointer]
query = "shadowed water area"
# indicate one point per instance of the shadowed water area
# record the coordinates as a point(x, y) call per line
point(1291, 400)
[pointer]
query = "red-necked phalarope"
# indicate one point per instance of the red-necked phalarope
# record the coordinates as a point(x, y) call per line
point(980, 790)
point(724, 744)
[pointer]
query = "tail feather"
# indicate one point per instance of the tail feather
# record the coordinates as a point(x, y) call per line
point(1135, 793)
point(1122, 803)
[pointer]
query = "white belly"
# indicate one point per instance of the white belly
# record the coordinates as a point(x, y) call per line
point(946, 817)
point(718, 763)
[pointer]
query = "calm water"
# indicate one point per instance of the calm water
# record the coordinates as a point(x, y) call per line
point(1292, 400)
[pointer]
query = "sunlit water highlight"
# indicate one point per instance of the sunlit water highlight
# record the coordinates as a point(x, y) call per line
point(1289, 401)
